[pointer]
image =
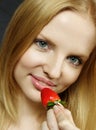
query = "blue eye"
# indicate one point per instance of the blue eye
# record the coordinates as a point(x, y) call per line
point(75, 60)
point(42, 44)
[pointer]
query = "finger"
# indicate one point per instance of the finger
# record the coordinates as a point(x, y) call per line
point(44, 126)
point(63, 113)
point(51, 120)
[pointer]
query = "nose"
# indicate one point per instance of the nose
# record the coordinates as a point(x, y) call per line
point(54, 67)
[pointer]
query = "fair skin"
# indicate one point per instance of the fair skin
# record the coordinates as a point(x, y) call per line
point(54, 60)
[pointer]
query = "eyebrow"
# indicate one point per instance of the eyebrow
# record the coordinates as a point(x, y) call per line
point(46, 39)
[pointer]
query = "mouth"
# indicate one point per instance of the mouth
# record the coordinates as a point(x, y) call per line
point(40, 83)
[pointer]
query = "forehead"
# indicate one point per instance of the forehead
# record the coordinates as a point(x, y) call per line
point(70, 26)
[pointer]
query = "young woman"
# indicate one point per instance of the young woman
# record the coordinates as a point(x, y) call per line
point(49, 44)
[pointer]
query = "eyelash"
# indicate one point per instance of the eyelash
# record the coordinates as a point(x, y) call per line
point(75, 60)
point(42, 44)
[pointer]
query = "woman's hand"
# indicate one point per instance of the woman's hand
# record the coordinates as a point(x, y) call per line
point(59, 118)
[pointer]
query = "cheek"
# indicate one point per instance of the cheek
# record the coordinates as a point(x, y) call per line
point(71, 77)
point(31, 58)
point(67, 81)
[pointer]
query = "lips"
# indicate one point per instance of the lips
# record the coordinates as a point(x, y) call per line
point(41, 83)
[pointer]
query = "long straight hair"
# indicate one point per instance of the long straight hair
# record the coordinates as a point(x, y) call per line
point(28, 20)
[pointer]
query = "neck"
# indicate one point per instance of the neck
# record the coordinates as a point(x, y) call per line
point(30, 113)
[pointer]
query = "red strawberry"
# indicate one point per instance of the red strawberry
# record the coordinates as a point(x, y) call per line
point(50, 98)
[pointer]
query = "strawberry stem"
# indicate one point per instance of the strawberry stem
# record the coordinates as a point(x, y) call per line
point(51, 104)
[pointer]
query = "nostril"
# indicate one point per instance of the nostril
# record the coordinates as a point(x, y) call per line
point(53, 70)
point(52, 75)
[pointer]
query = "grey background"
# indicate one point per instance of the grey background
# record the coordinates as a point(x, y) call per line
point(7, 8)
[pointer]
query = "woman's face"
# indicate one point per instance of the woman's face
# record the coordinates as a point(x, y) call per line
point(57, 55)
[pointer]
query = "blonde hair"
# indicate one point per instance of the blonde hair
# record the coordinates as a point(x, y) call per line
point(28, 20)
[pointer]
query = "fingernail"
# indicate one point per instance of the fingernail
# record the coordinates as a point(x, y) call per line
point(56, 108)
point(60, 105)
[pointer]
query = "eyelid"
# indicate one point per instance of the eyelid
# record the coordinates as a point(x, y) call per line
point(38, 40)
point(41, 40)
point(78, 58)
point(42, 37)
point(50, 44)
